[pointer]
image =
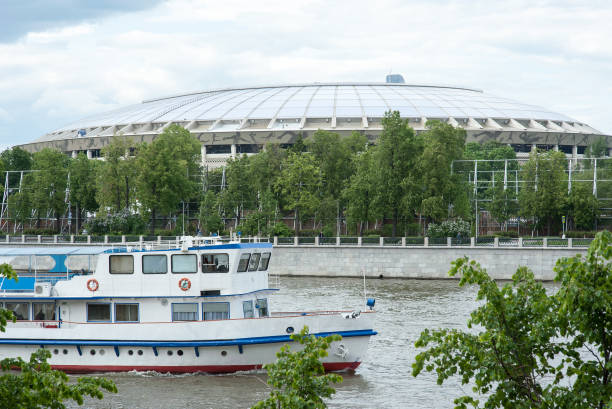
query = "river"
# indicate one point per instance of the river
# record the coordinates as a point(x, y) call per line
point(384, 379)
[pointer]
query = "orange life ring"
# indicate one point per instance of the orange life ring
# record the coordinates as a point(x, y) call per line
point(184, 284)
point(92, 284)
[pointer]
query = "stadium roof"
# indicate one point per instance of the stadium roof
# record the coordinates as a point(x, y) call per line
point(296, 106)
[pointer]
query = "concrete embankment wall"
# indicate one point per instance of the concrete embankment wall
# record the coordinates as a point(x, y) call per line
point(412, 262)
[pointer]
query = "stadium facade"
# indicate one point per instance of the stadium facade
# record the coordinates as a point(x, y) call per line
point(233, 121)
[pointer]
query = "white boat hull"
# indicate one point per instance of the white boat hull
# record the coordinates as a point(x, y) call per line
point(200, 346)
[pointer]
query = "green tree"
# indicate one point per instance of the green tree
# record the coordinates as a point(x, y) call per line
point(115, 178)
point(47, 184)
point(15, 159)
point(168, 171)
point(598, 148)
point(83, 186)
point(522, 344)
point(360, 193)
point(441, 190)
point(543, 194)
point(298, 378)
point(583, 206)
point(36, 385)
point(299, 185)
point(335, 156)
point(503, 204)
point(585, 309)
point(209, 213)
point(396, 157)
point(240, 194)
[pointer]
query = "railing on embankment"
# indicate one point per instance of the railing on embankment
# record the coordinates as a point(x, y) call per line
point(384, 257)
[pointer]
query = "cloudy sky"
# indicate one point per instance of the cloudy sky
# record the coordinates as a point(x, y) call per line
point(61, 60)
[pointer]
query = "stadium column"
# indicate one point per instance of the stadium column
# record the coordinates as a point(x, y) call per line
point(89, 155)
point(233, 150)
point(203, 153)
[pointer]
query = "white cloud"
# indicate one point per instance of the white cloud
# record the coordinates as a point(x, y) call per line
point(550, 53)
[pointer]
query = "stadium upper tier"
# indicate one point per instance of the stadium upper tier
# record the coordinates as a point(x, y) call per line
point(239, 117)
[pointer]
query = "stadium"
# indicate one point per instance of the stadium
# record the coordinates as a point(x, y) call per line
point(234, 121)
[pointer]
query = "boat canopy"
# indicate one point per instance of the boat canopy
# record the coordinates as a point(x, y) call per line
point(50, 251)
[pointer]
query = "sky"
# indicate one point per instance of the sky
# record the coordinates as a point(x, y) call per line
point(62, 60)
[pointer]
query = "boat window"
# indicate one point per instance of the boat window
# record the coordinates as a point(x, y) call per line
point(254, 262)
point(184, 263)
point(185, 312)
point(98, 312)
point(215, 311)
point(244, 262)
point(247, 308)
point(43, 311)
point(265, 260)
point(155, 264)
point(126, 313)
point(262, 307)
point(121, 264)
point(20, 309)
point(215, 263)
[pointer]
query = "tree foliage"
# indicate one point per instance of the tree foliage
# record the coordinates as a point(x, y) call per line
point(298, 378)
point(169, 169)
point(526, 349)
point(36, 385)
point(115, 177)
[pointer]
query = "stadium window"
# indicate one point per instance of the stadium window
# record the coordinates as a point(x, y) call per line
point(247, 148)
point(566, 149)
point(96, 153)
point(126, 313)
point(121, 264)
point(545, 147)
point(184, 312)
point(521, 147)
point(214, 149)
point(154, 264)
point(214, 311)
point(581, 149)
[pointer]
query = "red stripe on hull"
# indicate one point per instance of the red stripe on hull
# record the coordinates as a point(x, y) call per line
point(81, 369)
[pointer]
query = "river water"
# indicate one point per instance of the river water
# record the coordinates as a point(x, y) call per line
point(384, 379)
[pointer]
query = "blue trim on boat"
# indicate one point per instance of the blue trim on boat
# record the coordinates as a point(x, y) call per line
point(103, 297)
point(161, 344)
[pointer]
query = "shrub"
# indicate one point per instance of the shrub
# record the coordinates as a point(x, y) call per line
point(449, 228)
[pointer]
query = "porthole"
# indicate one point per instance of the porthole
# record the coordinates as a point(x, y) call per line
point(170, 353)
point(223, 353)
point(130, 352)
point(101, 352)
point(290, 330)
point(179, 352)
point(92, 352)
point(140, 352)
point(55, 352)
point(65, 352)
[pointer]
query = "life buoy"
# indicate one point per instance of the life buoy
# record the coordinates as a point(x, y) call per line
point(184, 284)
point(92, 284)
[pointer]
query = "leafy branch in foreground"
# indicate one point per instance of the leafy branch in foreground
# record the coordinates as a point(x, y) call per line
point(298, 378)
point(37, 385)
point(526, 349)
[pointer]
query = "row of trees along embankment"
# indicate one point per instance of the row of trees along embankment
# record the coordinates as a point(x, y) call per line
point(327, 183)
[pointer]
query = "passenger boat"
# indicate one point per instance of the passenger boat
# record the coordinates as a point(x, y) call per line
point(200, 305)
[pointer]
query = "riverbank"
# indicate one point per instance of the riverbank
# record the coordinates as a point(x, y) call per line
point(413, 262)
